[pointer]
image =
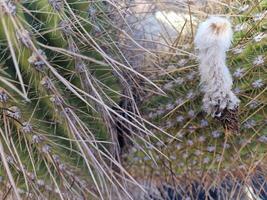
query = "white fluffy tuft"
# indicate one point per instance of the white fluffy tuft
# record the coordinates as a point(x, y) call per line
point(215, 32)
point(212, 40)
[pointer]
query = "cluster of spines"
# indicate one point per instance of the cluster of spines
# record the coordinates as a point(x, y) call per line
point(203, 146)
point(44, 79)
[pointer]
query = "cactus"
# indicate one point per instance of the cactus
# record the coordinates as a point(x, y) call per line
point(59, 98)
point(83, 118)
point(206, 156)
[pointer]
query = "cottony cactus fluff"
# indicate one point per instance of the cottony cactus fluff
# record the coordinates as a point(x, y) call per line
point(213, 39)
point(81, 119)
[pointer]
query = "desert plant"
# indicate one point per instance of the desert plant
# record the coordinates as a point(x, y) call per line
point(62, 101)
point(209, 161)
point(72, 82)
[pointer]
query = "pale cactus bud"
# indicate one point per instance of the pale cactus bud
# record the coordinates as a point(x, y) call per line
point(14, 112)
point(36, 61)
point(3, 96)
point(26, 127)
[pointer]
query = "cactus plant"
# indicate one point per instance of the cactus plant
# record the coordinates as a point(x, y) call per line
point(59, 96)
point(207, 157)
point(70, 94)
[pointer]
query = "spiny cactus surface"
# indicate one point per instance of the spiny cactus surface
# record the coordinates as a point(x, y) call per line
point(73, 76)
point(204, 153)
point(60, 100)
